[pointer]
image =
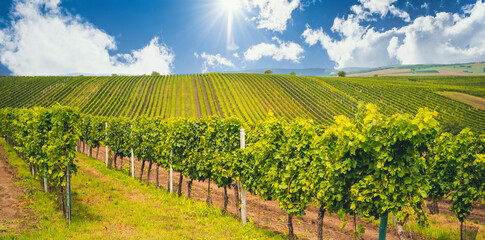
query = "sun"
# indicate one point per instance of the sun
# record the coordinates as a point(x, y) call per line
point(230, 6)
point(228, 16)
point(233, 9)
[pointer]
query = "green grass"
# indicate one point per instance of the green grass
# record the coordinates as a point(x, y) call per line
point(108, 204)
point(445, 227)
point(427, 71)
point(439, 226)
point(477, 102)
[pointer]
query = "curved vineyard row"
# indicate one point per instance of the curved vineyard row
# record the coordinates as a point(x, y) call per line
point(248, 96)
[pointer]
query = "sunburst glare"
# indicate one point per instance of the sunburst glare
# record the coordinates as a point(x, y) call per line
point(232, 9)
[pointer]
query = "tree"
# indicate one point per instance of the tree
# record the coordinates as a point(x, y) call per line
point(268, 71)
point(155, 73)
point(293, 74)
point(341, 73)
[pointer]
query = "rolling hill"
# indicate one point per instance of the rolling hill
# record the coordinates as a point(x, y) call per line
point(477, 68)
point(248, 96)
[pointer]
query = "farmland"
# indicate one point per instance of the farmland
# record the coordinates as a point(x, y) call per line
point(248, 96)
point(463, 69)
point(192, 124)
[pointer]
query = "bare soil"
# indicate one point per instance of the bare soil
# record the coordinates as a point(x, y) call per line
point(391, 71)
point(14, 217)
point(147, 96)
point(207, 100)
point(197, 103)
point(214, 96)
point(267, 214)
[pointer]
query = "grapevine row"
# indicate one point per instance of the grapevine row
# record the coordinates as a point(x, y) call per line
point(46, 139)
point(371, 164)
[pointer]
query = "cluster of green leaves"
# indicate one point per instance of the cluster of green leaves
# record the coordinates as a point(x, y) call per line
point(371, 164)
point(200, 149)
point(393, 164)
point(46, 137)
point(458, 170)
point(119, 137)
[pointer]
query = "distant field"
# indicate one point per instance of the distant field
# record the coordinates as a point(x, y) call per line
point(384, 72)
point(477, 102)
point(465, 69)
point(248, 96)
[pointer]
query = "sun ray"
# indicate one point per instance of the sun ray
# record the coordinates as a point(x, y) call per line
point(230, 8)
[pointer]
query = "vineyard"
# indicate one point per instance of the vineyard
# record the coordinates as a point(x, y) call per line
point(250, 97)
point(371, 165)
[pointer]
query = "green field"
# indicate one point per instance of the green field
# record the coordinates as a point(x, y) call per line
point(248, 96)
point(427, 69)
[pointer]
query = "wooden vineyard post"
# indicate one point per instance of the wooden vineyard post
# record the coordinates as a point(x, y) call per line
point(171, 173)
point(243, 192)
point(132, 159)
point(45, 180)
point(106, 144)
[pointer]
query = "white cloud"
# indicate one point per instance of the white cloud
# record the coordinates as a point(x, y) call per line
point(213, 61)
point(443, 38)
point(44, 40)
point(467, 8)
point(236, 55)
point(425, 5)
point(380, 7)
point(283, 51)
point(359, 47)
point(273, 14)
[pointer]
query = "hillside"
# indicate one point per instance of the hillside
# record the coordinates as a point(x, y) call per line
point(249, 96)
point(460, 69)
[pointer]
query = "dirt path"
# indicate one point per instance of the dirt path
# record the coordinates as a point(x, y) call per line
point(266, 214)
point(147, 96)
point(197, 103)
point(207, 100)
point(13, 215)
point(214, 96)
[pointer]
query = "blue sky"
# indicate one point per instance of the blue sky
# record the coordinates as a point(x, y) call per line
point(53, 37)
